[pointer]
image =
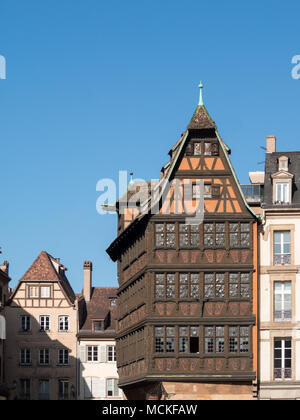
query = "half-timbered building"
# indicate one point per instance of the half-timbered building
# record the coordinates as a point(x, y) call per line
point(40, 355)
point(187, 296)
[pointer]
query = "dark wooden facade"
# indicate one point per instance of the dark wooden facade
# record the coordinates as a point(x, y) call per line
point(187, 294)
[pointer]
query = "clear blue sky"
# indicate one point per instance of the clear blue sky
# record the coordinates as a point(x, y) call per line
point(94, 87)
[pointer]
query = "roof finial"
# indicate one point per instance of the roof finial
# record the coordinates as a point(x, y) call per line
point(200, 97)
point(131, 180)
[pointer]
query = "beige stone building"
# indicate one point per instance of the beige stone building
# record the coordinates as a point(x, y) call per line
point(279, 338)
point(96, 351)
point(4, 295)
point(40, 358)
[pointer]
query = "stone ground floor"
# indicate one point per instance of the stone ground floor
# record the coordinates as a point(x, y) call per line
point(192, 391)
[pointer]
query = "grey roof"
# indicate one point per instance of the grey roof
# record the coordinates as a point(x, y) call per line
point(271, 168)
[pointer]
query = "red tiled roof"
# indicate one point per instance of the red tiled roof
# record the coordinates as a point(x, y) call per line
point(99, 308)
point(42, 269)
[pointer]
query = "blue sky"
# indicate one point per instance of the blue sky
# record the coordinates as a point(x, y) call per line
point(94, 87)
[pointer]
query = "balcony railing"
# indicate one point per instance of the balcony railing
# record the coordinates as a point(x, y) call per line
point(282, 373)
point(283, 315)
point(282, 259)
point(253, 193)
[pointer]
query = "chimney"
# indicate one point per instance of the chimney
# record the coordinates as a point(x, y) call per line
point(87, 280)
point(271, 144)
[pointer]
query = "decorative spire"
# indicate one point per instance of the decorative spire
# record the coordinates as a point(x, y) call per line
point(200, 97)
point(131, 180)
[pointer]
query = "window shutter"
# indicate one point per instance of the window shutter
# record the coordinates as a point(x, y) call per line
point(102, 352)
point(87, 387)
point(82, 354)
point(98, 387)
point(116, 389)
point(2, 328)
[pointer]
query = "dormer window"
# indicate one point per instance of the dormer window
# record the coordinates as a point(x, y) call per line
point(113, 302)
point(282, 183)
point(283, 163)
point(98, 325)
point(211, 149)
point(282, 192)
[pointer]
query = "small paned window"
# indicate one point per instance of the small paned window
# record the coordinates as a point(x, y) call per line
point(33, 291)
point(189, 339)
point(92, 353)
point(112, 388)
point(214, 339)
point(25, 321)
point(282, 358)
point(44, 323)
point(98, 325)
point(165, 235)
point(63, 356)
point(238, 339)
point(282, 248)
point(214, 285)
point(165, 285)
point(44, 357)
point(214, 235)
point(188, 285)
point(239, 285)
point(63, 323)
point(63, 389)
point(165, 339)
point(239, 235)
point(25, 356)
point(189, 236)
point(211, 149)
point(282, 301)
point(45, 292)
point(111, 354)
point(25, 389)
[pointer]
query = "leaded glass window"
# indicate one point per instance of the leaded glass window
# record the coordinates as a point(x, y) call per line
point(189, 236)
point(165, 235)
point(170, 286)
point(239, 235)
point(239, 285)
point(214, 285)
point(214, 235)
point(183, 285)
point(189, 285)
point(164, 285)
point(164, 339)
point(234, 234)
point(214, 339)
point(170, 339)
point(189, 339)
point(238, 339)
point(159, 340)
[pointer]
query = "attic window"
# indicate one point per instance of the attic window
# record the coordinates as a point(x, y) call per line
point(98, 325)
point(113, 302)
point(197, 149)
point(211, 149)
point(283, 163)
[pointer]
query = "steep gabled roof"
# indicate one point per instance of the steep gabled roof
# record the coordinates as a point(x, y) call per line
point(201, 120)
point(47, 268)
point(98, 308)
point(42, 269)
